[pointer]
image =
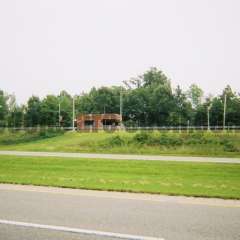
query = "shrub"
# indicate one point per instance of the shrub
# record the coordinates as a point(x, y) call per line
point(28, 136)
point(115, 141)
point(170, 140)
point(142, 138)
point(163, 139)
point(210, 138)
point(50, 133)
point(194, 138)
point(228, 146)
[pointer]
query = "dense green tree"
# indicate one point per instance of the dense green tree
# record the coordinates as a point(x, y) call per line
point(181, 113)
point(216, 108)
point(33, 112)
point(3, 109)
point(49, 111)
point(136, 107)
point(66, 101)
point(216, 112)
point(148, 100)
point(102, 100)
point(232, 106)
point(195, 94)
point(16, 117)
point(200, 117)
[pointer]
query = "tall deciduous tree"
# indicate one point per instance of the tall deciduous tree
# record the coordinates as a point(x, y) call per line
point(49, 111)
point(33, 114)
point(181, 113)
point(3, 109)
point(195, 94)
point(150, 98)
point(65, 100)
point(102, 100)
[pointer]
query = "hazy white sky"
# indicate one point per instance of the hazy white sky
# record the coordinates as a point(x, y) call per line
point(50, 45)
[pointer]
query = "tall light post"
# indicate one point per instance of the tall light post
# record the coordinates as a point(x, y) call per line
point(224, 110)
point(208, 116)
point(59, 110)
point(121, 107)
point(73, 114)
point(23, 117)
point(59, 114)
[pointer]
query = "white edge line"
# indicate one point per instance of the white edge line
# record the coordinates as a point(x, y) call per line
point(79, 230)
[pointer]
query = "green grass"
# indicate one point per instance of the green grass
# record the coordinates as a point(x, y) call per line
point(173, 178)
point(194, 144)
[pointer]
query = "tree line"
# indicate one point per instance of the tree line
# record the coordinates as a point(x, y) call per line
point(147, 100)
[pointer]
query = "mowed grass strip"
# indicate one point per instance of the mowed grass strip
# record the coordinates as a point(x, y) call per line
point(172, 178)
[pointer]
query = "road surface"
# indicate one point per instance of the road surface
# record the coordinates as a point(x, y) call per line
point(123, 156)
point(161, 217)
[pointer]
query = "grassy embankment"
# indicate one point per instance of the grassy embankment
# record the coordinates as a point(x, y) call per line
point(169, 143)
point(173, 178)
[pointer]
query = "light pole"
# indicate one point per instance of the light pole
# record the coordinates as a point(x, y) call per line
point(224, 110)
point(121, 107)
point(23, 116)
point(73, 114)
point(59, 114)
point(208, 116)
point(188, 124)
point(59, 111)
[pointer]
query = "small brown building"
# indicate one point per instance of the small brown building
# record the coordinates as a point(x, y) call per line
point(99, 121)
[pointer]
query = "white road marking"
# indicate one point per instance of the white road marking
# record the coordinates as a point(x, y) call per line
point(78, 230)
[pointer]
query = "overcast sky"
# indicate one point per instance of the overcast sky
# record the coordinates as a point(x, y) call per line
point(50, 45)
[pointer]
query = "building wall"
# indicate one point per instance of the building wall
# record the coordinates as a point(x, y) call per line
point(97, 120)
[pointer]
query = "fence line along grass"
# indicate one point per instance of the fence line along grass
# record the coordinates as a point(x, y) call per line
point(172, 178)
point(141, 142)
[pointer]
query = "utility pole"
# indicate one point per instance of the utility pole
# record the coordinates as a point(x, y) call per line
point(59, 114)
point(73, 114)
point(121, 105)
point(23, 116)
point(208, 117)
point(59, 110)
point(224, 111)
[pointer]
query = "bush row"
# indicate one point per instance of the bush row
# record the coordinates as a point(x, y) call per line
point(28, 136)
point(173, 140)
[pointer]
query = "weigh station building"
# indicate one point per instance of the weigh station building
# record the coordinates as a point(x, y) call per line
point(99, 121)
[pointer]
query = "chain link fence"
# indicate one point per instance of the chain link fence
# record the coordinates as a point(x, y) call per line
point(117, 128)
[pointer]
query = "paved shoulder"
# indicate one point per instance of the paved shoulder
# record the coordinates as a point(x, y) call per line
point(123, 156)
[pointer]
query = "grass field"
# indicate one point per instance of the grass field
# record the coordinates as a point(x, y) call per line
point(171, 143)
point(173, 178)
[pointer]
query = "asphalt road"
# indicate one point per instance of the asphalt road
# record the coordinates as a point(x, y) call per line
point(169, 218)
point(123, 156)
point(22, 233)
